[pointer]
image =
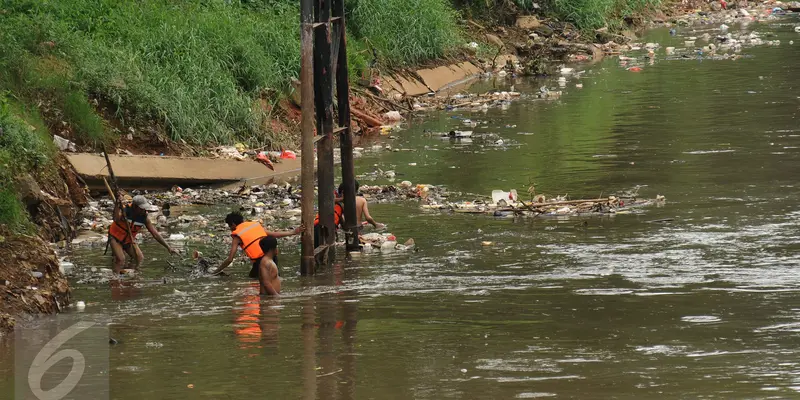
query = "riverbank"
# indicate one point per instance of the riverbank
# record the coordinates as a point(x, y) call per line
point(62, 192)
point(548, 308)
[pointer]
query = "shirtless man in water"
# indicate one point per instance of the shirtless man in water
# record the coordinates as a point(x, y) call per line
point(268, 279)
point(362, 208)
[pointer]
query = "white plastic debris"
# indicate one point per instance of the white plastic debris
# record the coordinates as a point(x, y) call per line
point(388, 246)
point(508, 197)
point(393, 116)
point(230, 152)
point(64, 144)
point(177, 237)
point(80, 305)
point(66, 267)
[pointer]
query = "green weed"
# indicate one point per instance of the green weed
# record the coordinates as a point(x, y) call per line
point(80, 113)
point(406, 31)
point(12, 213)
point(22, 149)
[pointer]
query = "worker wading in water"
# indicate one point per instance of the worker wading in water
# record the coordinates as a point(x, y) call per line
point(133, 215)
point(362, 208)
point(247, 235)
point(338, 218)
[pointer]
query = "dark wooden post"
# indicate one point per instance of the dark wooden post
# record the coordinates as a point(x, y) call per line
point(323, 98)
point(307, 262)
point(345, 134)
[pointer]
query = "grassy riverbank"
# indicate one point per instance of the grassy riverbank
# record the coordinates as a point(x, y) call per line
point(199, 69)
point(204, 72)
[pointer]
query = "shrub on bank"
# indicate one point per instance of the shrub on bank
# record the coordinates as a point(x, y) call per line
point(24, 146)
point(406, 31)
point(586, 15)
point(196, 66)
point(594, 14)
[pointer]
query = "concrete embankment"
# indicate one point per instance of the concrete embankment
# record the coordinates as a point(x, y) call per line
point(154, 172)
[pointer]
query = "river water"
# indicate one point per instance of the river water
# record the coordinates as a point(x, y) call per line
point(705, 305)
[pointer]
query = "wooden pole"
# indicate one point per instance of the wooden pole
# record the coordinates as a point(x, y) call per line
point(118, 200)
point(307, 138)
point(323, 98)
point(346, 136)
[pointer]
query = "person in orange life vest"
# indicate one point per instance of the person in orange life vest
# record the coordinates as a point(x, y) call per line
point(338, 217)
point(135, 216)
point(246, 235)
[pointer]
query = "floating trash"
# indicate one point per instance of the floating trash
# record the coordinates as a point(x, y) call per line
point(701, 319)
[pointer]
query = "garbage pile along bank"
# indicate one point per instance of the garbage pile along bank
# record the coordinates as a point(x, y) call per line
point(274, 206)
point(507, 204)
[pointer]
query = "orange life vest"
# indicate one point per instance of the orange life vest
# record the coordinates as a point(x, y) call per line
point(338, 210)
point(251, 233)
point(120, 232)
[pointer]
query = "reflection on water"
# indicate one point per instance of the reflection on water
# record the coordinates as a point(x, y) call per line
point(694, 299)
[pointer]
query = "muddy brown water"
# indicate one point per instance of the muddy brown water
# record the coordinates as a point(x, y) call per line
point(704, 306)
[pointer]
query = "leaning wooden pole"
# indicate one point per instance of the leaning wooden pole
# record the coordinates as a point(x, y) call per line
point(345, 135)
point(307, 139)
point(323, 98)
point(116, 196)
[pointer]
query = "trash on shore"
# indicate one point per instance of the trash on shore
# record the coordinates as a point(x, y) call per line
point(64, 144)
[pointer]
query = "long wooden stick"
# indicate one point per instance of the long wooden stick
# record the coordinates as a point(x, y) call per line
point(110, 192)
point(114, 199)
point(118, 200)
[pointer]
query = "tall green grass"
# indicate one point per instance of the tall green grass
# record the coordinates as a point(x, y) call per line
point(586, 15)
point(25, 145)
point(404, 32)
point(197, 66)
point(594, 14)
